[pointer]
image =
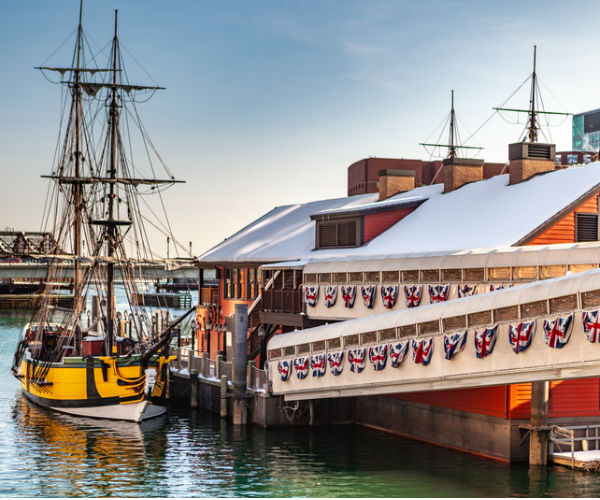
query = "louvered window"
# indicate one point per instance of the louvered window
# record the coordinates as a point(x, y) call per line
point(334, 234)
point(587, 227)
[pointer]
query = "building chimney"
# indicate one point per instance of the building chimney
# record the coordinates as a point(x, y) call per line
point(460, 171)
point(529, 158)
point(392, 182)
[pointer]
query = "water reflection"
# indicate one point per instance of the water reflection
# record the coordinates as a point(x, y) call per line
point(43, 453)
point(79, 456)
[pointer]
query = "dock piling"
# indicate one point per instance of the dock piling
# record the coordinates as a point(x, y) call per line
point(538, 436)
point(240, 412)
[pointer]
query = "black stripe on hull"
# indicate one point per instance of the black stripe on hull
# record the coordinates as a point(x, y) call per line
point(80, 403)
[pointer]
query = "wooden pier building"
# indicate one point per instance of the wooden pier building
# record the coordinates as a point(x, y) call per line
point(529, 224)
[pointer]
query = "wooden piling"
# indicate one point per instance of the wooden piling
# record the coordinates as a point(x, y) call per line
point(538, 436)
point(223, 409)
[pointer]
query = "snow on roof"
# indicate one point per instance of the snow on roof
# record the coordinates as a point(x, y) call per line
point(284, 233)
point(415, 195)
point(483, 214)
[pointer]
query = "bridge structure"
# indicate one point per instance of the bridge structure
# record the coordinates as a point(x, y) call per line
point(538, 331)
point(37, 268)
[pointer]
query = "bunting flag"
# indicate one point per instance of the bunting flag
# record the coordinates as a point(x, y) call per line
point(422, 350)
point(413, 295)
point(499, 287)
point(466, 290)
point(301, 366)
point(485, 340)
point(311, 294)
point(454, 343)
point(398, 353)
point(558, 332)
point(438, 293)
point(521, 335)
point(284, 369)
point(330, 296)
point(318, 364)
point(389, 294)
point(378, 356)
point(591, 325)
point(336, 362)
point(368, 295)
point(349, 296)
point(357, 359)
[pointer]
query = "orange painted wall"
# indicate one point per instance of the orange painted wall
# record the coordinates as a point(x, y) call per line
point(564, 230)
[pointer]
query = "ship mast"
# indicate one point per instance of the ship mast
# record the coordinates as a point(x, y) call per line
point(77, 197)
point(452, 146)
point(533, 133)
point(453, 137)
point(532, 128)
point(111, 226)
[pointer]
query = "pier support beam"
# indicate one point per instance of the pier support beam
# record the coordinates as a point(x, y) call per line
point(240, 357)
point(193, 388)
point(538, 437)
point(223, 408)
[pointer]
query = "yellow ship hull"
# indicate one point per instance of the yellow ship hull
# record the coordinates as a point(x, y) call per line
point(99, 387)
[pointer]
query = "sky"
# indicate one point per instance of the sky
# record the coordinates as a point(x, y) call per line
point(268, 102)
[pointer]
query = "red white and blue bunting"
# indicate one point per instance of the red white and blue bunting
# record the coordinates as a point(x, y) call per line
point(357, 358)
point(422, 350)
point(330, 296)
point(454, 343)
point(494, 288)
point(301, 367)
point(558, 332)
point(413, 294)
point(466, 290)
point(336, 362)
point(284, 369)
point(591, 325)
point(378, 356)
point(349, 296)
point(318, 365)
point(521, 335)
point(438, 293)
point(398, 353)
point(311, 294)
point(389, 294)
point(485, 340)
point(368, 295)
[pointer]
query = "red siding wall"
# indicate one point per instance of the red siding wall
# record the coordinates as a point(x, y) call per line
point(375, 224)
point(574, 398)
point(483, 400)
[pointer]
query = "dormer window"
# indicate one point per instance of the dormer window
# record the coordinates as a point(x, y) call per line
point(338, 234)
point(349, 228)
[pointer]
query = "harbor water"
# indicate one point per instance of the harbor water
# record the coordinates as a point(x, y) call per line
point(189, 454)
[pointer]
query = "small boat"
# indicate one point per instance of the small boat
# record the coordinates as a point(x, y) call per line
point(111, 363)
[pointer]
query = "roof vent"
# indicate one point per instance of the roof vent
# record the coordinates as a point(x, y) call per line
point(460, 171)
point(529, 158)
point(392, 181)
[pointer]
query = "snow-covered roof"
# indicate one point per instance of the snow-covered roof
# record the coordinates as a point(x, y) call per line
point(479, 215)
point(284, 233)
point(484, 214)
point(414, 196)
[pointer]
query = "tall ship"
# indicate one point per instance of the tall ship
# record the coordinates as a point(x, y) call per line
point(100, 357)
